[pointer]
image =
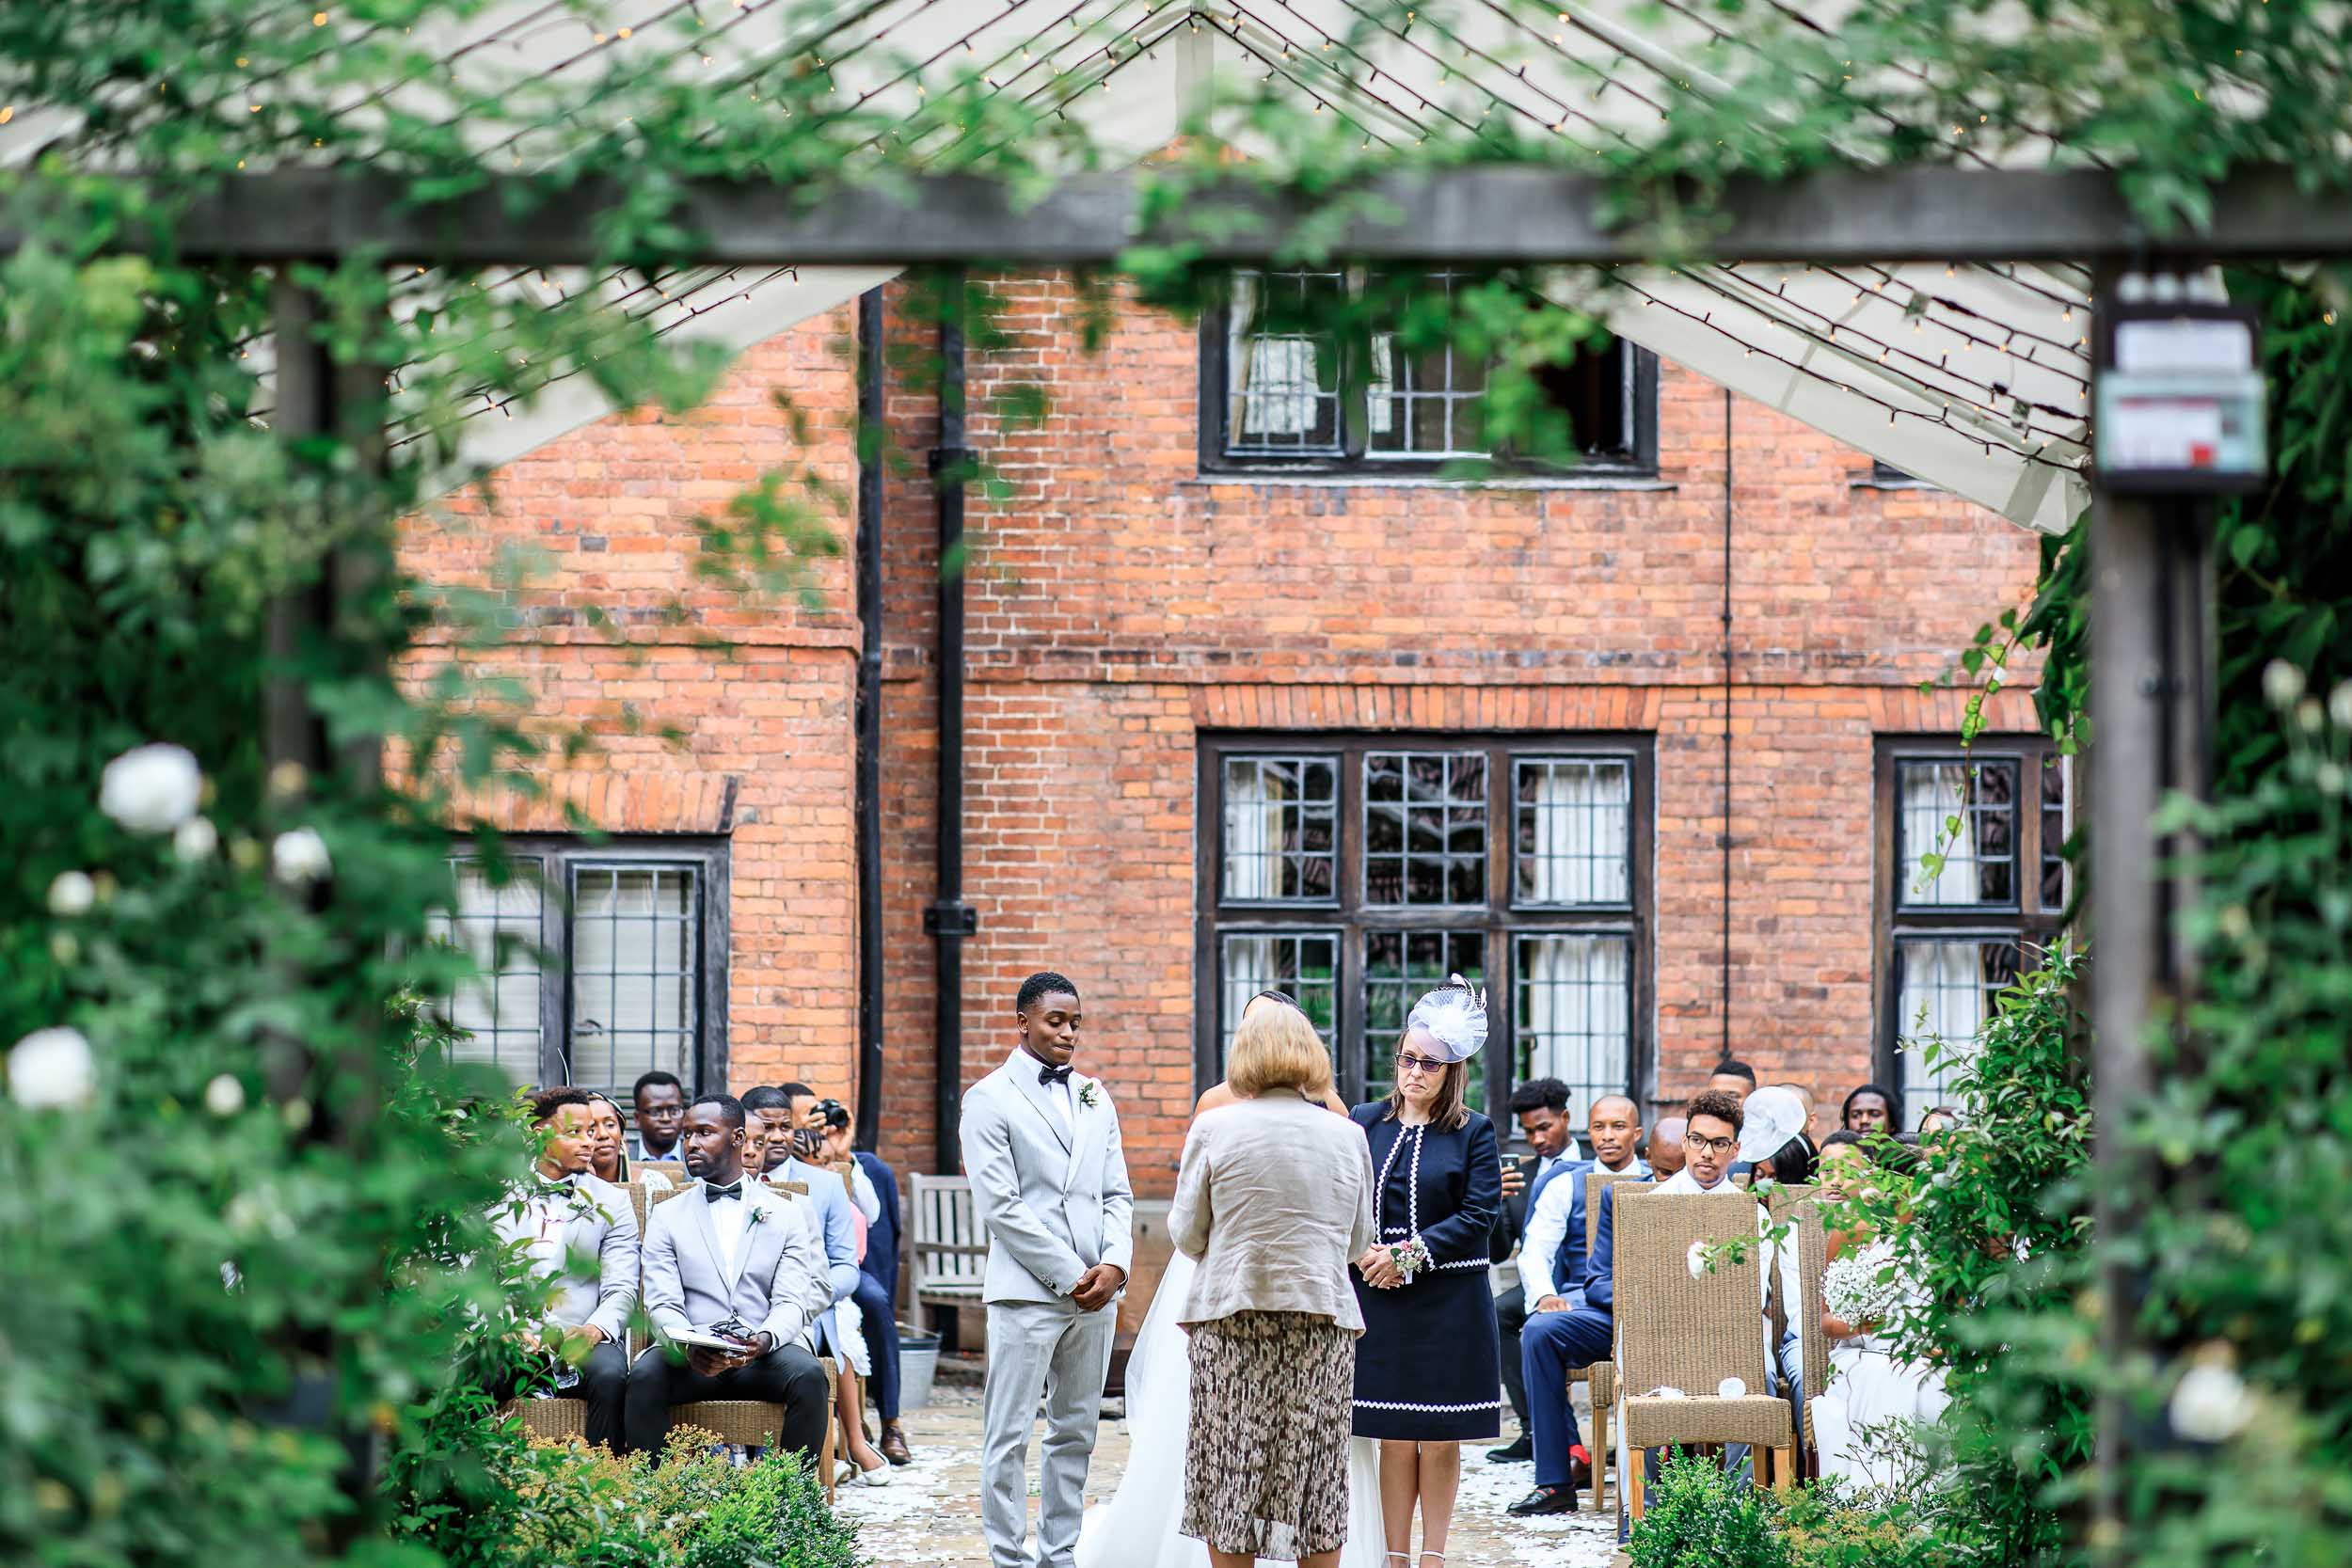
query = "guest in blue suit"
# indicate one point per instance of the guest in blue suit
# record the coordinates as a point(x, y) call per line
point(1540, 1106)
point(876, 1194)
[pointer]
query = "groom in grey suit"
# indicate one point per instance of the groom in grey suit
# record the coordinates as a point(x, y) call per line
point(1049, 1185)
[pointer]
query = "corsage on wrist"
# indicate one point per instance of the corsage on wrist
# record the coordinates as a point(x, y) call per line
point(1410, 1257)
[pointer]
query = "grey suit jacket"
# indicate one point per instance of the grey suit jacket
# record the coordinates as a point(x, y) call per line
point(603, 1225)
point(1054, 1200)
point(778, 1284)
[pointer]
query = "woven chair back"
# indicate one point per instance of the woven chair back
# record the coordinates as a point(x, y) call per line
point(1674, 1331)
point(1596, 1181)
point(671, 1168)
point(1812, 1222)
point(660, 1195)
point(637, 1200)
point(1782, 1199)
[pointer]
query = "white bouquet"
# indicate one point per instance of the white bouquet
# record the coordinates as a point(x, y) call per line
point(1861, 1288)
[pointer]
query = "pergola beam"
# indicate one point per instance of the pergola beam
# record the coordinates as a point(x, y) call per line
point(1502, 214)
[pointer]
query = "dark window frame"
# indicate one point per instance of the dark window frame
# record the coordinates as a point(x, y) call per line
point(2025, 920)
point(1353, 460)
point(1500, 919)
point(562, 855)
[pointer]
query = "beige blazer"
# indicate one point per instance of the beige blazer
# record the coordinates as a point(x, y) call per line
point(1274, 1201)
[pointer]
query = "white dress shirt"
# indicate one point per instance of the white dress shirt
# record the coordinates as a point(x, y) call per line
point(1057, 1095)
point(727, 1215)
point(1547, 1227)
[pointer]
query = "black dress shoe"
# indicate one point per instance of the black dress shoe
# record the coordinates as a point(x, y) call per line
point(1514, 1453)
point(1544, 1500)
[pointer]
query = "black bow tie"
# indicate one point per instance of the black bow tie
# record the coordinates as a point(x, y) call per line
point(712, 1195)
point(1052, 1075)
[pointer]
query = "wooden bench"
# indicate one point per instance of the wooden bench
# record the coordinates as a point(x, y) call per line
point(947, 1254)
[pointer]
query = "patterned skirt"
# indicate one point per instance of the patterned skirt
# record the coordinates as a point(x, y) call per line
point(1265, 1465)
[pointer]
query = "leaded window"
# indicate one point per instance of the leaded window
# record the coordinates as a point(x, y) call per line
point(1283, 387)
point(595, 962)
point(1356, 873)
point(1973, 886)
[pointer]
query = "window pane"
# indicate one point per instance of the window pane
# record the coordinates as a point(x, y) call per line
point(1421, 404)
point(1574, 1013)
point(1281, 828)
point(1592, 391)
point(1303, 966)
point(1398, 967)
point(2056, 823)
point(1967, 814)
point(1947, 992)
point(497, 926)
point(635, 973)
point(1282, 371)
point(1574, 831)
point(1425, 828)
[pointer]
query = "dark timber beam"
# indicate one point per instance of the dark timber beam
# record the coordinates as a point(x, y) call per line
point(1493, 214)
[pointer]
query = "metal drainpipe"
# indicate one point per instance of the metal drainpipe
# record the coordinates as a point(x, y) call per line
point(1723, 1053)
point(869, 717)
point(949, 919)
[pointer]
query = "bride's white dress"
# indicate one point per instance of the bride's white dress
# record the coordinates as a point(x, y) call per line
point(1869, 1387)
point(1139, 1527)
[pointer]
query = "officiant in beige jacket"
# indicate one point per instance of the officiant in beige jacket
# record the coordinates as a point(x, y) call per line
point(1272, 1201)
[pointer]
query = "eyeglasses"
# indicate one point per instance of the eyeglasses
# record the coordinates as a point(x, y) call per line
point(1407, 1062)
point(1692, 1145)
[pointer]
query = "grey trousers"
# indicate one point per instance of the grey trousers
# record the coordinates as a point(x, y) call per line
point(1053, 1349)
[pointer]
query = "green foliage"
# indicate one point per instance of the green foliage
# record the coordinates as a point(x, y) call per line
point(1698, 1516)
point(694, 1509)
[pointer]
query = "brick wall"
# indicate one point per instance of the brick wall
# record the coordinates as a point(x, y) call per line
point(1119, 603)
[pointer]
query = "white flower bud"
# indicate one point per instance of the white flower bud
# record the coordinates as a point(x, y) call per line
point(299, 856)
point(2282, 683)
point(196, 840)
point(51, 1070)
point(224, 1096)
point(1695, 1259)
point(2330, 777)
point(2210, 1404)
point(1731, 1388)
point(152, 790)
point(70, 893)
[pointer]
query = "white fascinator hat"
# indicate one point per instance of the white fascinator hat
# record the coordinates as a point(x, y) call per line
point(1453, 1016)
point(1770, 1118)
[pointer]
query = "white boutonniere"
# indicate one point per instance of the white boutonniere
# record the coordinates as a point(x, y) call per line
point(1087, 1096)
point(758, 1213)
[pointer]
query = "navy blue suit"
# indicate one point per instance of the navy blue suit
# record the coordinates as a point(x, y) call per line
point(878, 1286)
point(1556, 1343)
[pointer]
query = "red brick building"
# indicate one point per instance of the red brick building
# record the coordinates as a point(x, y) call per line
point(1255, 696)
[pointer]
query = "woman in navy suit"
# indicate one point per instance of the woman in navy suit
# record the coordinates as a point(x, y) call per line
point(1425, 1368)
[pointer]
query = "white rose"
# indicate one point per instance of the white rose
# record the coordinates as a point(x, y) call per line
point(196, 840)
point(1695, 1259)
point(224, 1096)
point(2282, 683)
point(299, 856)
point(73, 893)
point(2210, 1404)
point(51, 1070)
point(152, 790)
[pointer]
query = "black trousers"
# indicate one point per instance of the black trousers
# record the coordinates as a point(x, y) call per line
point(603, 1384)
point(882, 1341)
point(1510, 1317)
point(786, 1375)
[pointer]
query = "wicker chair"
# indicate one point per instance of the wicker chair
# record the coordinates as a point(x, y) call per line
point(754, 1423)
point(1600, 1378)
point(1676, 1332)
point(1812, 1261)
point(671, 1168)
point(552, 1419)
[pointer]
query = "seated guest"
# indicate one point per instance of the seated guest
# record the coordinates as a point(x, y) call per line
point(1772, 1137)
point(1552, 1260)
point(1940, 1118)
point(830, 1119)
point(608, 1155)
point(1871, 1108)
point(793, 1149)
point(565, 1216)
point(729, 1257)
point(1540, 1106)
point(1805, 1096)
point(1732, 1076)
point(1555, 1344)
point(1666, 1147)
point(877, 1284)
point(661, 1103)
point(1869, 1387)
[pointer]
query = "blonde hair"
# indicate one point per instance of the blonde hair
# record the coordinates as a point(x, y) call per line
point(1277, 1048)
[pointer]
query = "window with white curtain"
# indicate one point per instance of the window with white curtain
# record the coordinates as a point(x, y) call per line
point(1355, 872)
point(1960, 913)
point(598, 962)
point(1295, 393)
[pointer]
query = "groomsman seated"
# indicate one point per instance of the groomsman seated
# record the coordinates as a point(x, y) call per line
point(730, 1259)
point(1540, 1106)
point(1552, 1276)
point(564, 1215)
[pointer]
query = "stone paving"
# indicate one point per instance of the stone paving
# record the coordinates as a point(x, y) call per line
point(930, 1514)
